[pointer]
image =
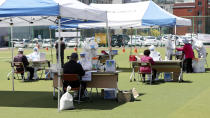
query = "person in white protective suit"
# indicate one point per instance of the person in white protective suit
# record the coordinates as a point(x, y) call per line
point(34, 56)
point(170, 46)
point(199, 65)
point(154, 54)
point(90, 49)
point(86, 64)
point(199, 47)
point(93, 48)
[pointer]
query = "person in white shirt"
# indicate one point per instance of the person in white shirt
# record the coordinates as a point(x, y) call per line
point(154, 54)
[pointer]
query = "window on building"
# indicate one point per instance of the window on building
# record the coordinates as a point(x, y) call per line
point(189, 10)
point(199, 3)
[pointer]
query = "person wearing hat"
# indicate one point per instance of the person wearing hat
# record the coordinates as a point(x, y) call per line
point(72, 67)
point(188, 56)
point(20, 57)
point(154, 54)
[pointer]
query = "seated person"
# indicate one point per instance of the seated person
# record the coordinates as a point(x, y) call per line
point(86, 64)
point(72, 67)
point(154, 54)
point(22, 58)
point(34, 56)
point(147, 59)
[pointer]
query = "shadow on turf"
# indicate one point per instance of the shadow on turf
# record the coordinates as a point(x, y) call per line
point(37, 99)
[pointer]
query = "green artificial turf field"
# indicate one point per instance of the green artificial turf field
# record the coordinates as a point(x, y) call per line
point(190, 99)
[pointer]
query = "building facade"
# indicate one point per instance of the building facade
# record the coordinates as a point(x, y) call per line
point(197, 11)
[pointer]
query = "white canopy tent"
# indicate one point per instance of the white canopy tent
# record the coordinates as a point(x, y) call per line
point(136, 15)
point(45, 12)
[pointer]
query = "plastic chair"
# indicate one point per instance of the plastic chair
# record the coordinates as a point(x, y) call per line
point(73, 78)
point(145, 64)
point(18, 69)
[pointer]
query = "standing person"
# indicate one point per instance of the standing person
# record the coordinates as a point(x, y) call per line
point(147, 59)
point(169, 48)
point(188, 56)
point(199, 47)
point(72, 67)
point(63, 46)
point(22, 58)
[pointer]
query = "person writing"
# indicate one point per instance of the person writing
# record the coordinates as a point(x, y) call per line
point(188, 56)
point(20, 57)
point(62, 48)
point(72, 67)
point(147, 59)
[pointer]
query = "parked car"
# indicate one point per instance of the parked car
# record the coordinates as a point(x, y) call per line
point(151, 40)
point(21, 43)
point(34, 42)
point(71, 42)
point(137, 41)
point(47, 43)
point(119, 40)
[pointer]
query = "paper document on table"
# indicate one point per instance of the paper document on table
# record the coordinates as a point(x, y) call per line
point(110, 66)
point(87, 76)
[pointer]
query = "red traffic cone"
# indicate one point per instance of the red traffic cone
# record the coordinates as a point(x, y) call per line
point(75, 49)
point(135, 50)
point(123, 50)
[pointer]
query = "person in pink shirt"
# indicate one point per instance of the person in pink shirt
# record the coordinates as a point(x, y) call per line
point(188, 56)
point(146, 58)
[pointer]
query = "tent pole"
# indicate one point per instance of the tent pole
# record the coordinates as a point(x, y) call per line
point(11, 30)
point(108, 37)
point(51, 56)
point(131, 40)
point(77, 41)
point(175, 39)
point(59, 60)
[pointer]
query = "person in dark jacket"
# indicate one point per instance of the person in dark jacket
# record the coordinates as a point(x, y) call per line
point(72, 67)
point(22, 58)
point(63, 46)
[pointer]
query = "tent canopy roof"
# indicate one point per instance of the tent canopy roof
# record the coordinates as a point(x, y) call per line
point(43, 12)
point(137, 15)
point(10, 8)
